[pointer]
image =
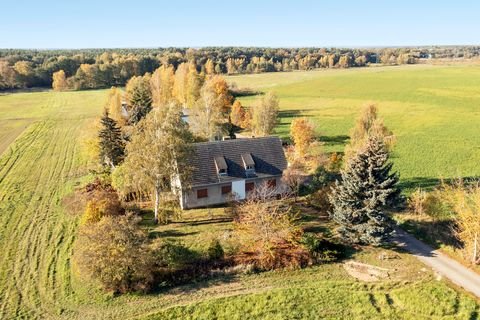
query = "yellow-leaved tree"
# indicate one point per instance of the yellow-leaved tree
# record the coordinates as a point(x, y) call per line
point(237, 114)
point(181, 84)
point(265, 115)
point(302, 132)
point(162, 83)
point(368, 124)
point(114, 106)
point(59, 81)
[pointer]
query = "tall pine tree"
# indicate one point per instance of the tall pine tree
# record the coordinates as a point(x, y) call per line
point(366, 188)
point(111, 143)
point(139, 98)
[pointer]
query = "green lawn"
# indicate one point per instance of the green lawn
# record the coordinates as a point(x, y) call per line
point(45, 162)
point(433, 110)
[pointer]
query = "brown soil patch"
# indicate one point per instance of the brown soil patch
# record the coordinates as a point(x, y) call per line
point(366, 272)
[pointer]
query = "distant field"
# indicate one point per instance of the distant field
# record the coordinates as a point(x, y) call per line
point(433, 110)
point(43, 162)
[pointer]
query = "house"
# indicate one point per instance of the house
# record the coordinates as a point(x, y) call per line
point(228, 169)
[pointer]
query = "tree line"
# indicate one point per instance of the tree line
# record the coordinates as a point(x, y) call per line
point(103, 68)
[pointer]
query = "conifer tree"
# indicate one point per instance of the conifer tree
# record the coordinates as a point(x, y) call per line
point(139, 97)
point(366, 188)
point(110, 141)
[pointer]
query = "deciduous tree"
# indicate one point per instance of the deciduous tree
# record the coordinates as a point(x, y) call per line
point(194, 84)
point(302, 132)
point(180, 88)
point(211, 110)
point(265, 115)
point(368, 124)
point(162, 83)
point(115, 252)
point(114, 106)
point(209, 67)
point(157, 154)
point(59, 81)
point(237, 114)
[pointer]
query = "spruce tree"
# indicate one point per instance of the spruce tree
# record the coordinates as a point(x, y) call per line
point(139, 98)
point(111, 143)
point(366, 188)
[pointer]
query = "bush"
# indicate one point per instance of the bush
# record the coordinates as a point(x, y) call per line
point(417, 201)
point(169, 254)
point(102, 203)
point(319, 200)
point(114, 251)
point(268, 235)
point(438, 205)
point(215, 251)
point(321, 250)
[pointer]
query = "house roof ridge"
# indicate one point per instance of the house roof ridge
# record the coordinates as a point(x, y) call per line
point(236, 140)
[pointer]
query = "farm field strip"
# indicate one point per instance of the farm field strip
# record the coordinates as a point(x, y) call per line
point(36, 234)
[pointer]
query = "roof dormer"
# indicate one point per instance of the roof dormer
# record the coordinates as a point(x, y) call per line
point(221, 165)
point(248, 164)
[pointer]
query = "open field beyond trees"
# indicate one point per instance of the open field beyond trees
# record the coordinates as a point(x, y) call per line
point(432, 110)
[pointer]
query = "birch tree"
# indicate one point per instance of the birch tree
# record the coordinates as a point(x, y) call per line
point(265, 115)
point(212, 109)
point(162, 83)
point(158, 153)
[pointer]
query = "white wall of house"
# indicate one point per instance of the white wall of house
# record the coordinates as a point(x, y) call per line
point(215, 196)
point(238, 189)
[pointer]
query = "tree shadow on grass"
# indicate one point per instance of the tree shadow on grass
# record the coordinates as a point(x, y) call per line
point(437, 234)
point(419, 182)
point(171, 233)
point(205, 221)
point(200, 282)
point(334, 140)
point(429, 183)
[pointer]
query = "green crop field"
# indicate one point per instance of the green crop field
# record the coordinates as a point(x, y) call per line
point(433, 110)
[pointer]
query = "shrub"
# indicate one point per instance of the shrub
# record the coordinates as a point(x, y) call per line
point(102, 203)
point(438, 206)
point(114, 251)
point(321, 250)
point(417, 201)
point(215, 251)
point(169, 254)
point(320, 201)
point(268, 234)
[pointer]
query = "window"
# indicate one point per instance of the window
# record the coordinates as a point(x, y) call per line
point(272, 183)
point(202, 193)
point(222, 172)
point(227, 189)
point(249, 186)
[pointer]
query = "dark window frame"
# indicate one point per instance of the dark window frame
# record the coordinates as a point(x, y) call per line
point(202, 193)
point(272, 183)
point(226, 189)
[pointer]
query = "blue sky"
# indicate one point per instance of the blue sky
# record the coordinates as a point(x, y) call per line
point(141, 23)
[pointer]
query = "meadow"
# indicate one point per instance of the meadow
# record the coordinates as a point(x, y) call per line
point(434, 112)
point(431, 109)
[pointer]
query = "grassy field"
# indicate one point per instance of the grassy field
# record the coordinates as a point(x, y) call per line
point(45, 163)
point(433, 110)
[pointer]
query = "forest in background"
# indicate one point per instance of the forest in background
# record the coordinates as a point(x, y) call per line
point(103, 68)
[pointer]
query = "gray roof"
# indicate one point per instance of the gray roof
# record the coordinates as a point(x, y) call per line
point(266, 152)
